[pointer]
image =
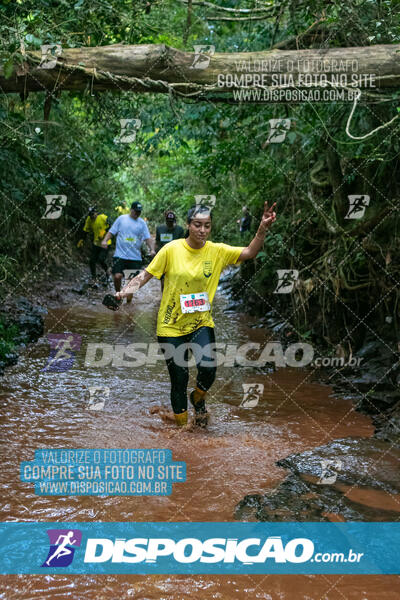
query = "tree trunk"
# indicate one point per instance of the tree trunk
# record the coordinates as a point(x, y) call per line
point(159, 68)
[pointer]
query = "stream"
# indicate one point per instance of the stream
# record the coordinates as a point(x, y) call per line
point(234, 457)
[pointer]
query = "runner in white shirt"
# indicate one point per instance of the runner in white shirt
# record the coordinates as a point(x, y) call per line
point(131, 231)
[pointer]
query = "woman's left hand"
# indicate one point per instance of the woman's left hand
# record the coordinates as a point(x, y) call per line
point(269, 216)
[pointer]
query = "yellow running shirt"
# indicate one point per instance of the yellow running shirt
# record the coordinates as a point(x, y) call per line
point(188, 271)
point(122, 210)
point(98, 227)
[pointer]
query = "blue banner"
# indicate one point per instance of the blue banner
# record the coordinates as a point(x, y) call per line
point(200, 548)
point(103, 472)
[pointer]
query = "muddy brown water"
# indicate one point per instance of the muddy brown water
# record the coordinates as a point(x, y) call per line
point(234, 457)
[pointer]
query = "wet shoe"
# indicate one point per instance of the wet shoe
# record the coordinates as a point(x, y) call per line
point(198, 406)
point(181, 419)
point(201, 419)
point(200, 412)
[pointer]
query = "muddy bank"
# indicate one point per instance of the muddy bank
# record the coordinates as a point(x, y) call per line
point(22, 319)
point(374, 386)
point(351, 479)
point(21, 324)
point(62, 286)
point(372, 379)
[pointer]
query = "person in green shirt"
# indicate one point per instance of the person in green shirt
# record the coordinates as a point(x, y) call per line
point(192, 268)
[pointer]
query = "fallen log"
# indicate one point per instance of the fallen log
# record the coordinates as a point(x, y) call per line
point(162, 69)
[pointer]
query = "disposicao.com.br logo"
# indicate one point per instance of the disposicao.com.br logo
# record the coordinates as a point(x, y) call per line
point(365, 548)
point(189, 550)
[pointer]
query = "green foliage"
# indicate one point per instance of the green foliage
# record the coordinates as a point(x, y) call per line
point(7, 336)
point(185, 148)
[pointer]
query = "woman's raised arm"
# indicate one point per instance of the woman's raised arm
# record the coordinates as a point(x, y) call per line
point(257, 242)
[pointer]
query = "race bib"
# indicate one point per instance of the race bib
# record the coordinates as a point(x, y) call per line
point(166, 237)
point(191, 303)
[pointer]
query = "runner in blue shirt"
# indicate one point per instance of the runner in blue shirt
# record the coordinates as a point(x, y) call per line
point(131, 231)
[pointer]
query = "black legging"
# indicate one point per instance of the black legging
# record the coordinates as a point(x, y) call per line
point(180, 374)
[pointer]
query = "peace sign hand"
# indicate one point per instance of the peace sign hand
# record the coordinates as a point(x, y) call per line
point(269, 216)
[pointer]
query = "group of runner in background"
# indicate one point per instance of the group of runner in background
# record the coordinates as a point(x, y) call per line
point(130, 231)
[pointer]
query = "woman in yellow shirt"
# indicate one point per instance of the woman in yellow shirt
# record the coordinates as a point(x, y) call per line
point(192, 268)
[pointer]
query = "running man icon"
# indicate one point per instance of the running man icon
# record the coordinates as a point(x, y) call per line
point(60, 552)
point(54, 206)
point(287, 279)
point(63, 347)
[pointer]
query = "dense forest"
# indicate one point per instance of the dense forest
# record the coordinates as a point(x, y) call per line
point(65, 142)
